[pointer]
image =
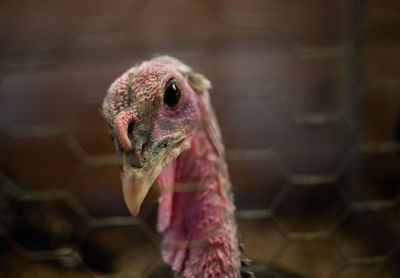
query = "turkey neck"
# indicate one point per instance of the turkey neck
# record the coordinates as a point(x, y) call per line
point(196, 211)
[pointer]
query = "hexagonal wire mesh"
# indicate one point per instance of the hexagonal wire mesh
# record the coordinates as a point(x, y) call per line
point(307, 95)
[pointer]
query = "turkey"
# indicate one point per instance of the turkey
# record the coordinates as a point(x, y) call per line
point(164, 129)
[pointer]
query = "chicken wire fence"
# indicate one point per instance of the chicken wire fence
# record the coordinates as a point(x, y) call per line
point(307, 97)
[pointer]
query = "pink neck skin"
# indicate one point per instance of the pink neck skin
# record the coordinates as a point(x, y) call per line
point(196, 212)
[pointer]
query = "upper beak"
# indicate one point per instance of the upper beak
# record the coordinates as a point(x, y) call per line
point(136, 183)
point(137, 178)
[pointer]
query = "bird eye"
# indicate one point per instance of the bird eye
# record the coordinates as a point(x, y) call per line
point(172, 94)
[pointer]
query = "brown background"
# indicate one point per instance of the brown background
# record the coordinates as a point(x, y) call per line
point(307, 95)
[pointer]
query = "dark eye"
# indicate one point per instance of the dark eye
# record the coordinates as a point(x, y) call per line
point(172, 94)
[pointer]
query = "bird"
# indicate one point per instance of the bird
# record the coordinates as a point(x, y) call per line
point(165, 132)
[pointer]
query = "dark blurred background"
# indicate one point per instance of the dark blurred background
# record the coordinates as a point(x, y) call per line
point(307, 94)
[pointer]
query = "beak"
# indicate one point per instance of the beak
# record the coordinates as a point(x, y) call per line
point(136, 181)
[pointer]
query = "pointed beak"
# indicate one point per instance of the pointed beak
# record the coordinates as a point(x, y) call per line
point(137, 179)
point(136, 183)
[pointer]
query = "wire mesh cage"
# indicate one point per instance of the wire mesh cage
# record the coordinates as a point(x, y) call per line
point(307, 96)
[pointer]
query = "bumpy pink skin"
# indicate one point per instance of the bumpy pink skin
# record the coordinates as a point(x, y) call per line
point(196, 211)
point(120, 127)
point(198, 225)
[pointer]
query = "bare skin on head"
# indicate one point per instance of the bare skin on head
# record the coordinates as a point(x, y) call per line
point(164, 129)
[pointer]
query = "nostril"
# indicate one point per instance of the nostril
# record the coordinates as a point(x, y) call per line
point(139, 142)
point(123, 125)
point(137, 154)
